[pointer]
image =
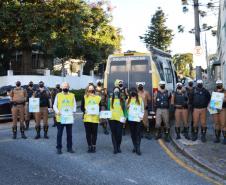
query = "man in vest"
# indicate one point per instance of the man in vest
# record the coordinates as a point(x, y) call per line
point(45, 103)
point(190, 92)
point(18, 98)
point(100, 91)
point(30, 91)
point(146, 97)
point(162, 101)
point(201, 99)
point(64, 107)
point(54, 92)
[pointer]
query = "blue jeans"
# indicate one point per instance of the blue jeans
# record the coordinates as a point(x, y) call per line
point(60, 129)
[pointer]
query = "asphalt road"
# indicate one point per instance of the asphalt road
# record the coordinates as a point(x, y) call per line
point(35, 162)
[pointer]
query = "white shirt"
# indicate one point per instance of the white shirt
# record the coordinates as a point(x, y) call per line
point(55, 108)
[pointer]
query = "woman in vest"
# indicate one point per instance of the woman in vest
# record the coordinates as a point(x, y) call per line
point(180, 102)
point(135, 108)
point(220, 117)
point(90, 106)
point(64, 107)
point(116, 106)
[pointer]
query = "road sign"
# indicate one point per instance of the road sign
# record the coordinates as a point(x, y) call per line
point(198, 51)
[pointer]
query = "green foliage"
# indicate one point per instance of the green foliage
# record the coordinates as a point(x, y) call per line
point(62, 28)
point(183, 64)
point(78, 94)
point(158, 35)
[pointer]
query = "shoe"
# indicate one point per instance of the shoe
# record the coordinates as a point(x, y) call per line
point(59, 151)
point(195, 134)
point(22, 132)
point(46, 128)
point(159, 134)
point(27, 123)
point(224, 140)
point(138, 152)
point(134, 150)
point(203, 134)
point(71, 151)
point(167, 132)
point(217, 134)
point(177, 130)
point(38, 129)
point(89, 149)
point(14, 129)
point(119, 150)
point(186, 131)
point(148, 135)
point(93, 149)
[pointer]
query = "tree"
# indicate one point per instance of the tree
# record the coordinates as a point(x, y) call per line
point(183, 64)
point(158, 35)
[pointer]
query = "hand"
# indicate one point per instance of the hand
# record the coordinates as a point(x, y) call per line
point(58, 113)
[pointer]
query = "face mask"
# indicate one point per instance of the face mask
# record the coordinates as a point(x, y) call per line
point(66, 90)
point(18, 84)
point(140, 88)
point(120, 85)
point(91, 91)
point(30, 85)
point(199, 85)
point(219, 86)
point(58, 87)
point(99, 84)
point(190, 84)
point(133, 94)
point(179, 88)
point(41, 85)
point(162, 86)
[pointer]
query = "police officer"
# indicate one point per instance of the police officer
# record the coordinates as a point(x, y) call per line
point(100, 91)
point(180, 102)
point(18, 98)
point(54, 92)
point(220, 118)
point(146, 97)
point(201, 99)
point(30, 91)
point(190, 92)
point(45, 102)
point(64, 100)
point(162, 101)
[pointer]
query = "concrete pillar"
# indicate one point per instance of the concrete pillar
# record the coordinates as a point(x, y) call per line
point(47, 72)
point(10, 73)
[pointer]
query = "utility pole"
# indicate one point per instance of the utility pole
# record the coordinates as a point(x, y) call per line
point(197, 36)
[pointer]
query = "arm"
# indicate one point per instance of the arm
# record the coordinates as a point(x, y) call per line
point(55, 108)
point(75, 106)
point(172, 100)
point(83, 104)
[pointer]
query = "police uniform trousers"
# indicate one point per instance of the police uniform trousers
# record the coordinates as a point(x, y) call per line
point(181, 114)
point(199, 114)
point(220, 120)
point(162, 115)
point(43, 114)
point(18, 111)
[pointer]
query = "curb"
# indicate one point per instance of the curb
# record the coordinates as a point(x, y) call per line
point(195, 159)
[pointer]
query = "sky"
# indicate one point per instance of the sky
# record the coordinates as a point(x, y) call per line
point(134, 17)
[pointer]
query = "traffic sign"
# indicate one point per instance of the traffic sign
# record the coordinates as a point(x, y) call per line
point(198, 51)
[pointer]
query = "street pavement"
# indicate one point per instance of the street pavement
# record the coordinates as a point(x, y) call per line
point(35, 162)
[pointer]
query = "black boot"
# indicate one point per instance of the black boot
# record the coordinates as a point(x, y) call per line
point(93, 149)
point(148, 134)
point(186, 133)
point(115, 150)
point(158, 134)
point(224, 140)
point(14, 129)
point(89, 149)
point(22, 132)
point(195, 134)
point(192, 127)
point(119, 149)
point(203, 134)
point(138, 152)
point(38, 129)
point(46, 128)
point(27, 123)
point(217, 134)
point(167, 133)
point(124, 129)
point(105, 129)
point(177, 130)
point(59, 151)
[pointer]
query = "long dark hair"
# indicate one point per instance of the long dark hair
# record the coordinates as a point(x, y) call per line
point(113, 98)
point(133, 89)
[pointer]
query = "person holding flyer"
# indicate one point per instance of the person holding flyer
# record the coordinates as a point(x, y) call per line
point(90, 106)
point(116, 105)
point(135, 107)
point(220, 116)
point(65, 108)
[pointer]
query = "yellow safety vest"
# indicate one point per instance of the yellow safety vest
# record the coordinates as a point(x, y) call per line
point(64, 100)
point(91, 100)
point(140, 107)
point(117, 111)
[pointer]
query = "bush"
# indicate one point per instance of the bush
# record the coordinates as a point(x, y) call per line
point(78, 94)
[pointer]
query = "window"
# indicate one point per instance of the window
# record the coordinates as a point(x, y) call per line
point(119, 66)
point(168, 74)
point(159, 66)
point(139, 65)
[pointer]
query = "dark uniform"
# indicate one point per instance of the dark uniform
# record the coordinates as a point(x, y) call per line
point(124, 96)
point(30, 91)
point(180, 102)
point(45, 102)
point(190, 92)
point(18, 97)
point(201, 99)
point(54, 92)
point(100, 91)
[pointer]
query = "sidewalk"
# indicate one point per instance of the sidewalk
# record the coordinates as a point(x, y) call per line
point(209, 155)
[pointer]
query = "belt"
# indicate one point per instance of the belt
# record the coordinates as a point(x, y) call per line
point(15, 104)
point(181, 107)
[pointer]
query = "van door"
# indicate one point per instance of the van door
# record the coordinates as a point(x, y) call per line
point(140, 71)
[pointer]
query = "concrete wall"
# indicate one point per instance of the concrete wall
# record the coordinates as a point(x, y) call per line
point(49, 80)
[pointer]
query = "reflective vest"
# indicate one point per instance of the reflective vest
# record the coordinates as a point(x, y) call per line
point(134, 115)
point(64, 101)
point(91, 100)
point(116, 110)
point(181, 99)
point(162, 100)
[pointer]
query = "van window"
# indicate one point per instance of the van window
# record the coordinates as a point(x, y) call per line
point(159, 66)
point(169, 77)
point(119, 66)
point(139, 65)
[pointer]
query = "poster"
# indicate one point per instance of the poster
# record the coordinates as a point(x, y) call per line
point(34, 104)
point(67, 116)
point(212, 111)
point(92, 109)
point(216, 101)
point(105, 114)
